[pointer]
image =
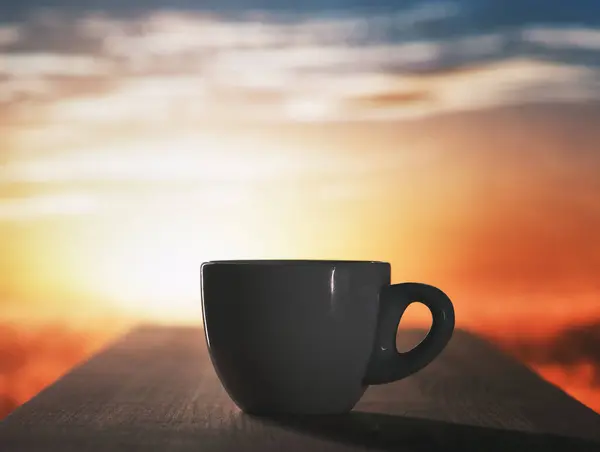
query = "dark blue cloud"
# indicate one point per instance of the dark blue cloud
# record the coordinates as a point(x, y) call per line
point(476, 14)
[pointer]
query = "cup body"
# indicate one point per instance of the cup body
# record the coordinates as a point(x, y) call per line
point(292, 337)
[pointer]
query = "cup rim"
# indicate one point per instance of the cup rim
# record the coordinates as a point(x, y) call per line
point(288, 262)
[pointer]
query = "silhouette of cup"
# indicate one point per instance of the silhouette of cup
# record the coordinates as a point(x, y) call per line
point(308, 337)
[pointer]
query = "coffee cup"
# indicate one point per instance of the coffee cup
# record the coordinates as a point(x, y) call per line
point(309, 336)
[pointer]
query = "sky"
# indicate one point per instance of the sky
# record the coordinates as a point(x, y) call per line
point(457, 140)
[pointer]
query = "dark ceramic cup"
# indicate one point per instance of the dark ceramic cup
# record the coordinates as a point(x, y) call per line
point(308, 337)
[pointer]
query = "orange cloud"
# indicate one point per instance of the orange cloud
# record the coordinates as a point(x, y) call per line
point(569, 358)
point(32, 357)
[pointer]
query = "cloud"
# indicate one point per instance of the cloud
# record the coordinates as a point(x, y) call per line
point(48, 64)
point(391, 99)
point(568, 38)
point(283, 94)
point(168, 32)
point(571, 347)
point(161, 64)
point(578, 344)
point(505, 82)
point(172, 171)
point(38, 206)
point(7, 404)
point(200, 158)
point(9, 34)
point(54, 32)
point(33, 357)
point(568, 358)
point(16, 89)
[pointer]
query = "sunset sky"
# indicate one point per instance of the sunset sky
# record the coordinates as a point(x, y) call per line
point(458, 140)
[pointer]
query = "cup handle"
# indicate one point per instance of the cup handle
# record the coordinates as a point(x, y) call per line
point(386, 363)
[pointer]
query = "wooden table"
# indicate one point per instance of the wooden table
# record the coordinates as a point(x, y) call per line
point(155, 390)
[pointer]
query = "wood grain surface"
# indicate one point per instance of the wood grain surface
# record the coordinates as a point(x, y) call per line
point(155, 390)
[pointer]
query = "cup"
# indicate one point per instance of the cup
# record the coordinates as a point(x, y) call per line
point(309, 336)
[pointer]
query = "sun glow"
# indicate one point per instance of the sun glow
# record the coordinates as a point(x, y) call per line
point(148, 269)
point(160, 281)
point(148, 214)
